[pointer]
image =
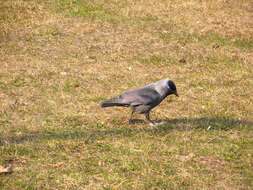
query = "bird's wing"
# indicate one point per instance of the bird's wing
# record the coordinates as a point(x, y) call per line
point(143, 96)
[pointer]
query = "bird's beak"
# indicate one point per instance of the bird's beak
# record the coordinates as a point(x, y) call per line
point(176, 94)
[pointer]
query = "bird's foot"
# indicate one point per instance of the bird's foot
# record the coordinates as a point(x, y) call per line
point(154, 124)
point(163, 122)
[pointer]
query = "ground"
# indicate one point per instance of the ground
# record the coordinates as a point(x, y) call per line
point(59, 59)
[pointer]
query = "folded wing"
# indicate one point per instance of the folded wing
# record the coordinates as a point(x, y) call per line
point(144, 96)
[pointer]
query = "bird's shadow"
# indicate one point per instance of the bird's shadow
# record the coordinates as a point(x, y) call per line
point(208, 123)
point(101, 132)
point(136, 121)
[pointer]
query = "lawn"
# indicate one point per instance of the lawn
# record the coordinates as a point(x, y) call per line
point(59, 59)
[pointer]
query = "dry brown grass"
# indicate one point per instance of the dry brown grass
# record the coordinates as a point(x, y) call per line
point(60, 59)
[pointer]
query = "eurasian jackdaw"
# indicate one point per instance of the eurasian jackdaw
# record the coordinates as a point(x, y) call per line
point(141, 101)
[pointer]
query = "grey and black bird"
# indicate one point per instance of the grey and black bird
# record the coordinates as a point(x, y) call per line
point(143, 100)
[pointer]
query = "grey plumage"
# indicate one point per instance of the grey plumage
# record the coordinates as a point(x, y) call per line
point(141, 101)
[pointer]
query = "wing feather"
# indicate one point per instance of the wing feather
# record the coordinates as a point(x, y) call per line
point(143, 96)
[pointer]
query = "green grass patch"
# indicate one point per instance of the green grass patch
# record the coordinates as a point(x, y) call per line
point(157, 60)
point(93, 10)
point(244, 43)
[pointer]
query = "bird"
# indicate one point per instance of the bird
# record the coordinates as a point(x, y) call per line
point(143, 100)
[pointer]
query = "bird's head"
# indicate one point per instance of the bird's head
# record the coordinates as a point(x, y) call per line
point(172, 87)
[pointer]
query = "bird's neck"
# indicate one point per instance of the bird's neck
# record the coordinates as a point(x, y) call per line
point(164, 92)
point(168, 93)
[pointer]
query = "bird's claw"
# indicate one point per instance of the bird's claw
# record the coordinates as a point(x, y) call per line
point(154, 124)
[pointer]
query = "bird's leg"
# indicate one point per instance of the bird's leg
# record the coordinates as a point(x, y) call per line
point(130, 119)
point(148, 118)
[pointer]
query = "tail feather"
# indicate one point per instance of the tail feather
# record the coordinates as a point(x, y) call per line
point(113, 102)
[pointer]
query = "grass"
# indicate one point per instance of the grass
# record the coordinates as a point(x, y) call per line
point(60, 59)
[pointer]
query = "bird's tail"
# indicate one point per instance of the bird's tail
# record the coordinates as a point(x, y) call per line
point(113, 102)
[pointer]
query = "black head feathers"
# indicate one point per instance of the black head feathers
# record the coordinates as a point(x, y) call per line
point(172, 85)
